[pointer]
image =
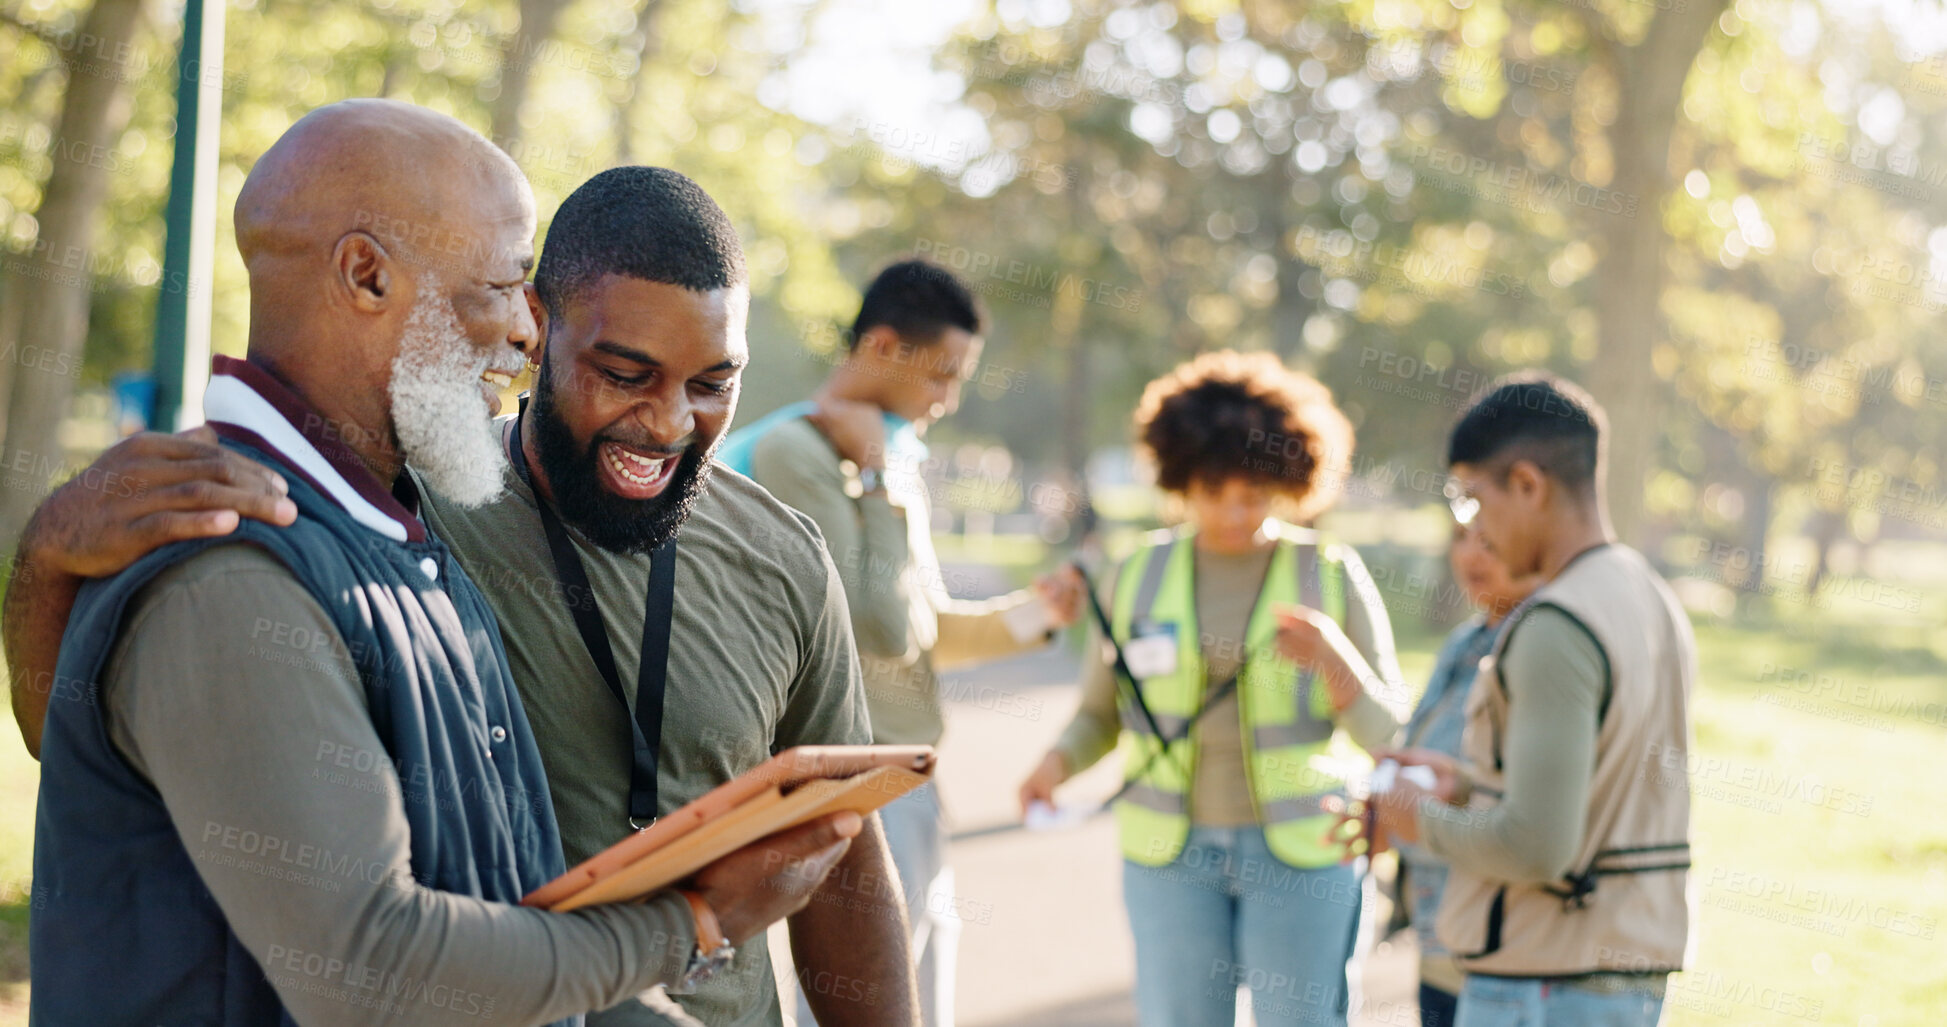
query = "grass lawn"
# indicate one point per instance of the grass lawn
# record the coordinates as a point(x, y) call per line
point(1821, 850)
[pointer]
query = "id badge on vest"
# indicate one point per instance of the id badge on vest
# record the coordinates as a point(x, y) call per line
point(1151, 651)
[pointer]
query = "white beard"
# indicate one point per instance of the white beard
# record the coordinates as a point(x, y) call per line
point(444, 429)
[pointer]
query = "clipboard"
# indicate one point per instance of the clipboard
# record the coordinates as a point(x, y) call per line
point(789, 789)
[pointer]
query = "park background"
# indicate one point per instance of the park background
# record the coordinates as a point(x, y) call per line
point(1728, 219)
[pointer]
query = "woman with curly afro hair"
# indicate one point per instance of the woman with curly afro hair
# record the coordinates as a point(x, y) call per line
point(1245, 646)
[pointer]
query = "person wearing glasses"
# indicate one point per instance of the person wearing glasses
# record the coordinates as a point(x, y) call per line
point(1436, 724)
point(1566, 823)
point(1244, 646)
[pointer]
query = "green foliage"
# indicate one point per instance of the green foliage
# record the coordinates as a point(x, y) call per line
point(688, 106)
point(1409, 198)
point(1402, 197)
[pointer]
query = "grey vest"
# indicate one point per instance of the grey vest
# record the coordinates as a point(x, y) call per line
point(123, 930)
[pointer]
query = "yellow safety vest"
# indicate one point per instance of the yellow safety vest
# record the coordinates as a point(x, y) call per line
point(1287, 717)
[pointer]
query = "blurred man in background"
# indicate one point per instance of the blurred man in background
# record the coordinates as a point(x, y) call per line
point(1568, 826)
point(851, 459)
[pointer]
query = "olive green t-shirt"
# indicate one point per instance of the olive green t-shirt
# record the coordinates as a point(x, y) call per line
point(760, 659)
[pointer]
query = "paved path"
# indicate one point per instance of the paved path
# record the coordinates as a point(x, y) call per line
point(1045, 941)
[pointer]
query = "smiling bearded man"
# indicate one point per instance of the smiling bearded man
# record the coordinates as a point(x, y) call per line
point(624, 490)
point(665, 636)
point(444, 431)
point(642, 297)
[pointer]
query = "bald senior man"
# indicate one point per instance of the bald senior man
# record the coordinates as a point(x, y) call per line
point(285, 774)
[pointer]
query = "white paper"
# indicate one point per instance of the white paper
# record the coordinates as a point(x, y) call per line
point(1388, 774)
point(1043, 817)
point(1422, 776)
point(1383, 777)
point(1029, 622)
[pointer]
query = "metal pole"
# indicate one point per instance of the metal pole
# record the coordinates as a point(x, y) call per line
point(182, 329)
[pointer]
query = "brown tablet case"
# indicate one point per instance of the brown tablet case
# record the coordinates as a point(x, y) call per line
point(795, 786)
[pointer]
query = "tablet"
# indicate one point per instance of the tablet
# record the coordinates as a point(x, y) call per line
point(791, 788)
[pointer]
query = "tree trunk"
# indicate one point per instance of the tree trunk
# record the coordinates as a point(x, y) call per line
point(1757, 530)
point(1649, 78)
point(1290, 312)
point(14, 282)
point(630, 91)
point(11, 288)
point(1291, 309)
point(1827, 525)
point(53, 310)
point(538, 18)
point(1075, 416)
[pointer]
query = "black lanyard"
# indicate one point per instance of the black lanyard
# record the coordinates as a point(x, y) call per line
point(1124, 675)
point(1210, 700)
point(652, 676)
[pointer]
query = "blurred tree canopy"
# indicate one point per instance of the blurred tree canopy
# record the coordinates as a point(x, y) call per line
point(1724, 218)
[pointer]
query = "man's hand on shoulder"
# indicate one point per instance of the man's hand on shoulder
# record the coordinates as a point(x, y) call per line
point(145, 492)
point(857, 430)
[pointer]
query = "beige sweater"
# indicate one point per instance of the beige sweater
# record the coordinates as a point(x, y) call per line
point(907, 627)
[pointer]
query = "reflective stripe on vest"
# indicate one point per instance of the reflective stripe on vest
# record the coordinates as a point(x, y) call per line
point(1170, 724)
point(1176, 803)
point(1155, 799)
point(1301, 732)
point(1287, 722)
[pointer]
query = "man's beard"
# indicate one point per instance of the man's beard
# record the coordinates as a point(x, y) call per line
point(444, 428)
point(602, 517)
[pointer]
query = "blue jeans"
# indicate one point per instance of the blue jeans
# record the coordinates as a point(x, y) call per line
point(1558, 1002)
point(1227, 913)
point(1436, 1006)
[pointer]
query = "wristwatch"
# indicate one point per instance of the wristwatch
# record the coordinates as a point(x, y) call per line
point(713, 950)
point(871, 479)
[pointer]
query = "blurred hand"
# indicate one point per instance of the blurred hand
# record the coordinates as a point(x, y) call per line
point(1368, 827)
point(772, 878)
point(1450, 784)
point(1063, 591)
point(1040, 785)
point(1395, 815)
point(1349, 828)
point(145, 492)
point(1313, 641)
point(857, 430)
point(1391, 817)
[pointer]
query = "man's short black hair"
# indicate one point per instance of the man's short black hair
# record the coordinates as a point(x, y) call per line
point(647, 223)
point(1538, 417)
point(919, 300)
